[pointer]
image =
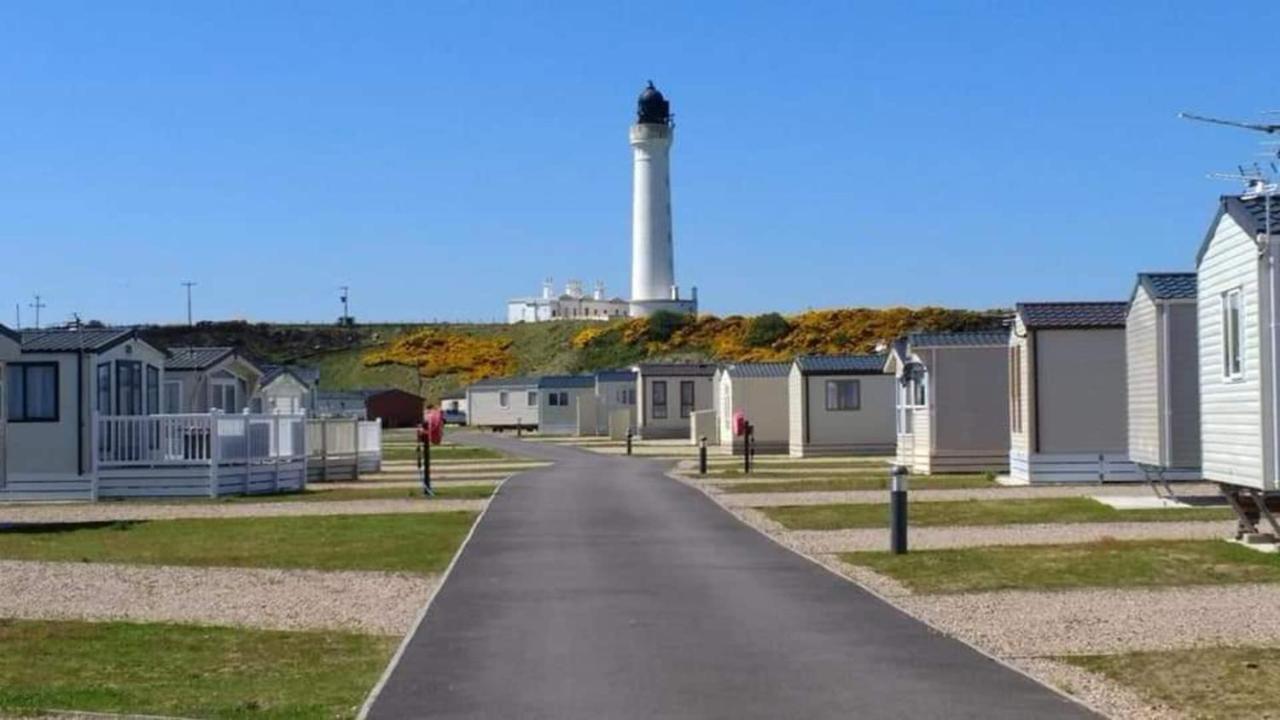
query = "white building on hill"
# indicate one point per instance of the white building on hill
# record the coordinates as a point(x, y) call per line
point(572, 304)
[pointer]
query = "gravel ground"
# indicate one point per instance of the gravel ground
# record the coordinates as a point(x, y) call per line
point(367, 602)
point(106, 511)
point(1100, 693)
point(1105, 620)
point(991, 493)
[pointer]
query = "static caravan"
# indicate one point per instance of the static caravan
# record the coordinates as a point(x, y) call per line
point(759, 391)
point(840, 405)
point(10, 347)
point(53, 389)
point(203, 379)
point(454, 405)
point(287, 389)
point(952, 409)
point(615, 394)
point(394, 407)
point(1164, 376)
point(1237, 302)
point(563, 399)
point(1068, 407)
point(668, 393)
point(341, 404)
point(504, 403)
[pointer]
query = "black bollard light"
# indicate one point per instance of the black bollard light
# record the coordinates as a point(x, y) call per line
point(519, 428)
point(702, 455)
point(426, 468)
point(898, 509)
point(629, 441)
point(747, 440)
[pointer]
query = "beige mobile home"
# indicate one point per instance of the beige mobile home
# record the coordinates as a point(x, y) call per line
point(667, 394)
point(1067, 394)
point(841, 405)
point(952, 401)
point(759, 391)
point(615, 394)
point(1236, 301)
point(10, 347)
point(503, 403)
point(561, 401)
point(203, 379)
point(1164, 376)
point(59, 381)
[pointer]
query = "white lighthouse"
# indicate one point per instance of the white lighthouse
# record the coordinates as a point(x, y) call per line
point(653, 275)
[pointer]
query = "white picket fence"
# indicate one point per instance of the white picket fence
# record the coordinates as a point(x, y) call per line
point(197, 454)
point(343, 448)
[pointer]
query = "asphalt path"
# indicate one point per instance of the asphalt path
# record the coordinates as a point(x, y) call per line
point(600, 588)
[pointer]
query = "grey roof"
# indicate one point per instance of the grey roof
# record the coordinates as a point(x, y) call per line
point(1050, 315)
point(458, 394)
point(324, 396)
point(567, 381)
point(678, 369)
point(63, 340)
point(520, 381)
point(1250, 215)
point(196, 358)
point(758, 370)
point(1168, 286)
point(616, 376)
point(11, 334)
point(841, 364)
point(308, 376)
point(966, 338)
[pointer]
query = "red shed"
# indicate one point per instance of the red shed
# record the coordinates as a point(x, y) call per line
point(396, 408)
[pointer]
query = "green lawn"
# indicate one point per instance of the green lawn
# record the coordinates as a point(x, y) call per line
point(443, 452)
point(418, 543)
point(1111, 563)
point(878, 482)
point(978, 512)
point(186, 670)
point(1209, 683)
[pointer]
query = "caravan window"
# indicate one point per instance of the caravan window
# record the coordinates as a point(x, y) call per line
point(1015, 389)
point(153, 389)
point(686, 398)
point(128, 387)
point(104, 388)
point(659, 399)
point(33, 392)
point(844, 394)
point(503, 399)
point(172, 397)
point(1232, 319)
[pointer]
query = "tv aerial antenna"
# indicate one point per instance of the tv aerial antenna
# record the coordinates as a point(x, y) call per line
point(1258, 184)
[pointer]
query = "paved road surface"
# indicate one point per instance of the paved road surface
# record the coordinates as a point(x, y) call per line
point(599, 588)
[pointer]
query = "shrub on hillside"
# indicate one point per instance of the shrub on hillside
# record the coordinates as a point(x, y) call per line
point(664, 324)
point(765, 330)
point(435, 352)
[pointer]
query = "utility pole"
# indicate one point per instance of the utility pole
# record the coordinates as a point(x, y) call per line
point(38, 306)
point(346, 313)
point(188, 285)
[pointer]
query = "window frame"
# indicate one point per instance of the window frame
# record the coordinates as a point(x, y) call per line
point(1015, 389)
point(16, 370)
point(657, 405)
point(504, 399)
point(171, 398)
point(686, 409)
point(1233, 335)
point(836, 382)
point(152, 392)
point(104, 389)
point(532, 400)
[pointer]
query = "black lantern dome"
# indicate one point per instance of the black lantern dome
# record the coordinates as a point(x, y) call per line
point(653, 108)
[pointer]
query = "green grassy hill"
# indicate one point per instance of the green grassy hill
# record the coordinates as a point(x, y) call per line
point(429, 359)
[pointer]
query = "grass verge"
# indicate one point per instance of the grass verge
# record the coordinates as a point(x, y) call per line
point(443, 452)
point(1211, 683)
point(186, 671)
point(1109, 563)
point(979, 512)
point(319, 493)
point(417, 543)
point(845, 484)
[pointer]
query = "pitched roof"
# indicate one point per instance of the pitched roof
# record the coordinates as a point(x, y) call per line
point(519, 381)
point(678, 369)
point(1250, 214)
point(567, 381)
point(1048, 315)
point(196, 358)
point(965, 338)
point(1168, 286)
point(65, 340)
point(758, 370)
point(841, 364)
point(11, 334)
point(616, 376)
point(306, 375)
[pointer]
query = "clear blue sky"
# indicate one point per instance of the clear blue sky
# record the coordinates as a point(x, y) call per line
point(440, 157)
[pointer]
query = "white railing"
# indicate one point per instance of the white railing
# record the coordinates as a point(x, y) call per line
point(341, 448)
point(211, 439)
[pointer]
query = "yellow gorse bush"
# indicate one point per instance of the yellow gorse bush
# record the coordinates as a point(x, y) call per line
point(436, 352)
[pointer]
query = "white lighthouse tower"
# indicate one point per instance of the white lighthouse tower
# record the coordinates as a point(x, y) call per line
point(653, 275)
